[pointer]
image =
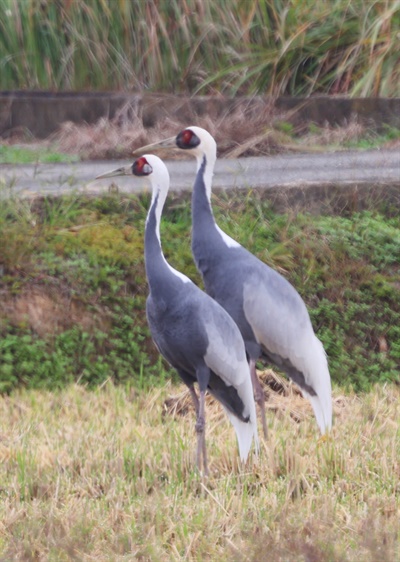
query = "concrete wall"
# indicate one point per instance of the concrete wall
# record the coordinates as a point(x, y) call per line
point(41, 113)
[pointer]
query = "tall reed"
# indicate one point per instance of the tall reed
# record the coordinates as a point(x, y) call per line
point(186, 46)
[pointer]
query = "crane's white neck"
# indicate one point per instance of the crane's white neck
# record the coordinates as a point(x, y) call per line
point(153, 250)
point(202, 214)
point(205, 152)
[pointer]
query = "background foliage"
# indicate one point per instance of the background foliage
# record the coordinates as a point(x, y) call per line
point(87, 255)
point(236, 46)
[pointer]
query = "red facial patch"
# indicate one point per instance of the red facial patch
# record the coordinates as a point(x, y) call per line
point(140, 164)
point(187, 136)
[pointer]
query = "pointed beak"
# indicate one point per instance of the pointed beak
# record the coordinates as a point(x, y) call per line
point(126, 171)
point(166, 144)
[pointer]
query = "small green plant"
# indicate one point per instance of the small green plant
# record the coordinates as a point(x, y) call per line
point(284, 127)
point(374, 139)
point(22, 155)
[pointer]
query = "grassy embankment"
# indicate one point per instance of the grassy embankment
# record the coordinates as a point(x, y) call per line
point(238, 135)
point(73, 284)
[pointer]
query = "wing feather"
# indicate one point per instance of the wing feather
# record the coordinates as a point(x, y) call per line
point(282, 326)
point(226, 357)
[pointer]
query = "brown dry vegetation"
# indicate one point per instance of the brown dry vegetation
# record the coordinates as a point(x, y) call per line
point(258, 129)
point(120, 136)
point(49, 310)
point(108, 475)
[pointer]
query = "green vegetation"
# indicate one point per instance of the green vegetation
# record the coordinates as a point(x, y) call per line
point(26, 155)
point(108, 475)
point(342, 138)
point(266, 46)
point(374, 139)
point(73, 285)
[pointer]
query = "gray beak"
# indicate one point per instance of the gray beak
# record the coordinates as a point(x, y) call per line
point(126, 171)
point(166, 144)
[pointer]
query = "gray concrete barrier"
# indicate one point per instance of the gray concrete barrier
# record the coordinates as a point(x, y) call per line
point(41, 113)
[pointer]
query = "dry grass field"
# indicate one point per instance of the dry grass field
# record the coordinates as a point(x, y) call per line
point(109, 475)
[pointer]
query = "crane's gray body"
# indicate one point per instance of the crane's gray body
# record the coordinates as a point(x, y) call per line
point(194, 334)
point(270, 314)
point(191, 330)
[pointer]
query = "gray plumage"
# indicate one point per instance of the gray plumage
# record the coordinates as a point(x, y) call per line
point(271, 315)
point(192, 331)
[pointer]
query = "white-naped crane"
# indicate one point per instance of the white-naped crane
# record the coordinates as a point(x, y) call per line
point(191, 330)
point(271, 315)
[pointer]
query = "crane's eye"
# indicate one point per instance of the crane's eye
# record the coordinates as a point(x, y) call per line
point(141, 167)
point(187, 139)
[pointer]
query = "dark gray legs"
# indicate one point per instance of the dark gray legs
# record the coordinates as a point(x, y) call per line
point(201, 452)
point(195, 399)
point(258, 395)
point(201, 435)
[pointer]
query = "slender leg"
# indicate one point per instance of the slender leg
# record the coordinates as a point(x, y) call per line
point(200, 430)
point(194, 399)
point(258, 395)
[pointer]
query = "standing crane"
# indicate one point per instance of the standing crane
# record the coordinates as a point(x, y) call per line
point(191, 330)
point(270, 313)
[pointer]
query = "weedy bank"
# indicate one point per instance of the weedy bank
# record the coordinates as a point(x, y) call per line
point(73, 284)
point(264, 133)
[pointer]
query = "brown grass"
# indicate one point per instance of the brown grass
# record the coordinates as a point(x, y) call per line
point(120, 136)
point(251, 130)
point(108, 475)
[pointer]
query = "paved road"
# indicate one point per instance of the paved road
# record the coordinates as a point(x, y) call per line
point(361, 168)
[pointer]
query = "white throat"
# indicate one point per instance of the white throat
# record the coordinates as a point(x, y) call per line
point(160, 191)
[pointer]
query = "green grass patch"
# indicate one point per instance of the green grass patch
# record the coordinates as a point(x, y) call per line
point(73, 284)
point(374, 139)
point(23, 155)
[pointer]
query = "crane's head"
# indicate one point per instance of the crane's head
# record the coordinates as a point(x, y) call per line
point(194, 140)
point(147, 165)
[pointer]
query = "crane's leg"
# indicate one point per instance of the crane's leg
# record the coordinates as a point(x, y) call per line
point(258, 395)
point(195, 400)
point(197, 408)
point(203, 378)
point(201, 437)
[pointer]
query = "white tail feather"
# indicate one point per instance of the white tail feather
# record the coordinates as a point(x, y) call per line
point(245, 432)
point(319, 379)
